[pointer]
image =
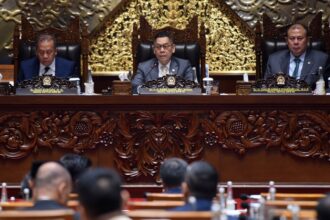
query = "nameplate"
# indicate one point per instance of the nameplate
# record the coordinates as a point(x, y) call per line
point(45, 91)
point(281, 84)
point(47, 85)
point(170, 85)
point(170, 91)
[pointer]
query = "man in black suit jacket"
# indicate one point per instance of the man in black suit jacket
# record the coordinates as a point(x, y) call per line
point(201, 182)
point(101, 195)
point(298, 61)
point(163, 64)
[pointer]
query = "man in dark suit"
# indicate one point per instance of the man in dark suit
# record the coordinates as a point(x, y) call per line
point(323, 208)
point(101, 195)
point(172, 172)
point(52, 187)
point(200, 187)
point(46, 61)
point(163, 64)
point(298, 61)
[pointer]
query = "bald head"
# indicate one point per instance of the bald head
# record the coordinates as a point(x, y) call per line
point(53, 181)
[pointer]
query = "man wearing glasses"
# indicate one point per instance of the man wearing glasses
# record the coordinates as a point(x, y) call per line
point(46, 61)
point(163, 64)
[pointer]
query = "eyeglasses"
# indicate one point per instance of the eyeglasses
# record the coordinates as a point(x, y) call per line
point(165, 46)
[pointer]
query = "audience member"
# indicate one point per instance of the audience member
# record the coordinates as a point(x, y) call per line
point(76, 165)
point(52, 187)
point(172, 172)
point(298, 61)
point(46, 61)
point(323, 208)
point(163, 64)
point(101, 196)
point(29, 178)
point(201, 182)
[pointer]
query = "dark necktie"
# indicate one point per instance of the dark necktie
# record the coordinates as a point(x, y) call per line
point(46, 69)
point(296, 69)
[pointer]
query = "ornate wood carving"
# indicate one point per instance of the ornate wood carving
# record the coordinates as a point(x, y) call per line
point(140, 140)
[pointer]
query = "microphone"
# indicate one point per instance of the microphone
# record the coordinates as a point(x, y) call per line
point(151, 68)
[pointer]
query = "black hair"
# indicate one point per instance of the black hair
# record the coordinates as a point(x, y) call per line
point(202, 180)
point(172, 172)
point(164, 34)
point(76, 165)
point(46, 37)
point(99, 191)
point(323, 208)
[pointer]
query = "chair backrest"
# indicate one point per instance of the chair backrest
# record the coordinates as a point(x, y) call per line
point(165, 196)
point(72, 44)
point(15, 205)
point(285, 203)
point(37, 215)
point(132, 205)
point(270, 39)
point(297, 196)
point(163, 214)
point(73, 204)
point(189, 44)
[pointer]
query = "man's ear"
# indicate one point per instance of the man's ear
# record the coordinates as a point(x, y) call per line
point(173, 48)
point(125, 197)
point(64, 191)
point(185, 190)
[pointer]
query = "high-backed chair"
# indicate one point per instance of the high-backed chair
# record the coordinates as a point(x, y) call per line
point(188, 44)
point(72, 44)
point(270, 39)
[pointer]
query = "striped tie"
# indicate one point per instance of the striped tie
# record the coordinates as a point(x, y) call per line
point(296, 69)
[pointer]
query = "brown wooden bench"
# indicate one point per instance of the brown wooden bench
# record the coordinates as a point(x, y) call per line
point(162, 214)
point(165, 196)
point(37, 215)
point(132, 205)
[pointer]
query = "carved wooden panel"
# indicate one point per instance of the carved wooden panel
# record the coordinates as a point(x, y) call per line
point(140, 140)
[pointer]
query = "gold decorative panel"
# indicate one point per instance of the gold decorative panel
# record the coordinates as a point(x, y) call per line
point(229, 43)
point(51, 13)
point(282, 12)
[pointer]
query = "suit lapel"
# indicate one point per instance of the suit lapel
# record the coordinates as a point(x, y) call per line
point(285, 63)
point(307, 66)
point(174, 66)
point(36, 65)
point(58, 68)
point(153, 75)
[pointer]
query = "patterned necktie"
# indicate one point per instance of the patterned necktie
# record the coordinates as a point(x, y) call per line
point(46, 69)
point(163, 70)
point(296, 69)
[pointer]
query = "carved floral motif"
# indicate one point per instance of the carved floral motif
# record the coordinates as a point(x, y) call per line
point(142, 140)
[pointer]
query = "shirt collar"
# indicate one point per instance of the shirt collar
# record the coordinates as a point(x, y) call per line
point(301, 57)
point(51, 66)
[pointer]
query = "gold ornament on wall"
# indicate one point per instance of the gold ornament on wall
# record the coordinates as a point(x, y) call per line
point(229, 44)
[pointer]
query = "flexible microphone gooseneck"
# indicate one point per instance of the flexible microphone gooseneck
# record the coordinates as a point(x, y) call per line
point(151, 68)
